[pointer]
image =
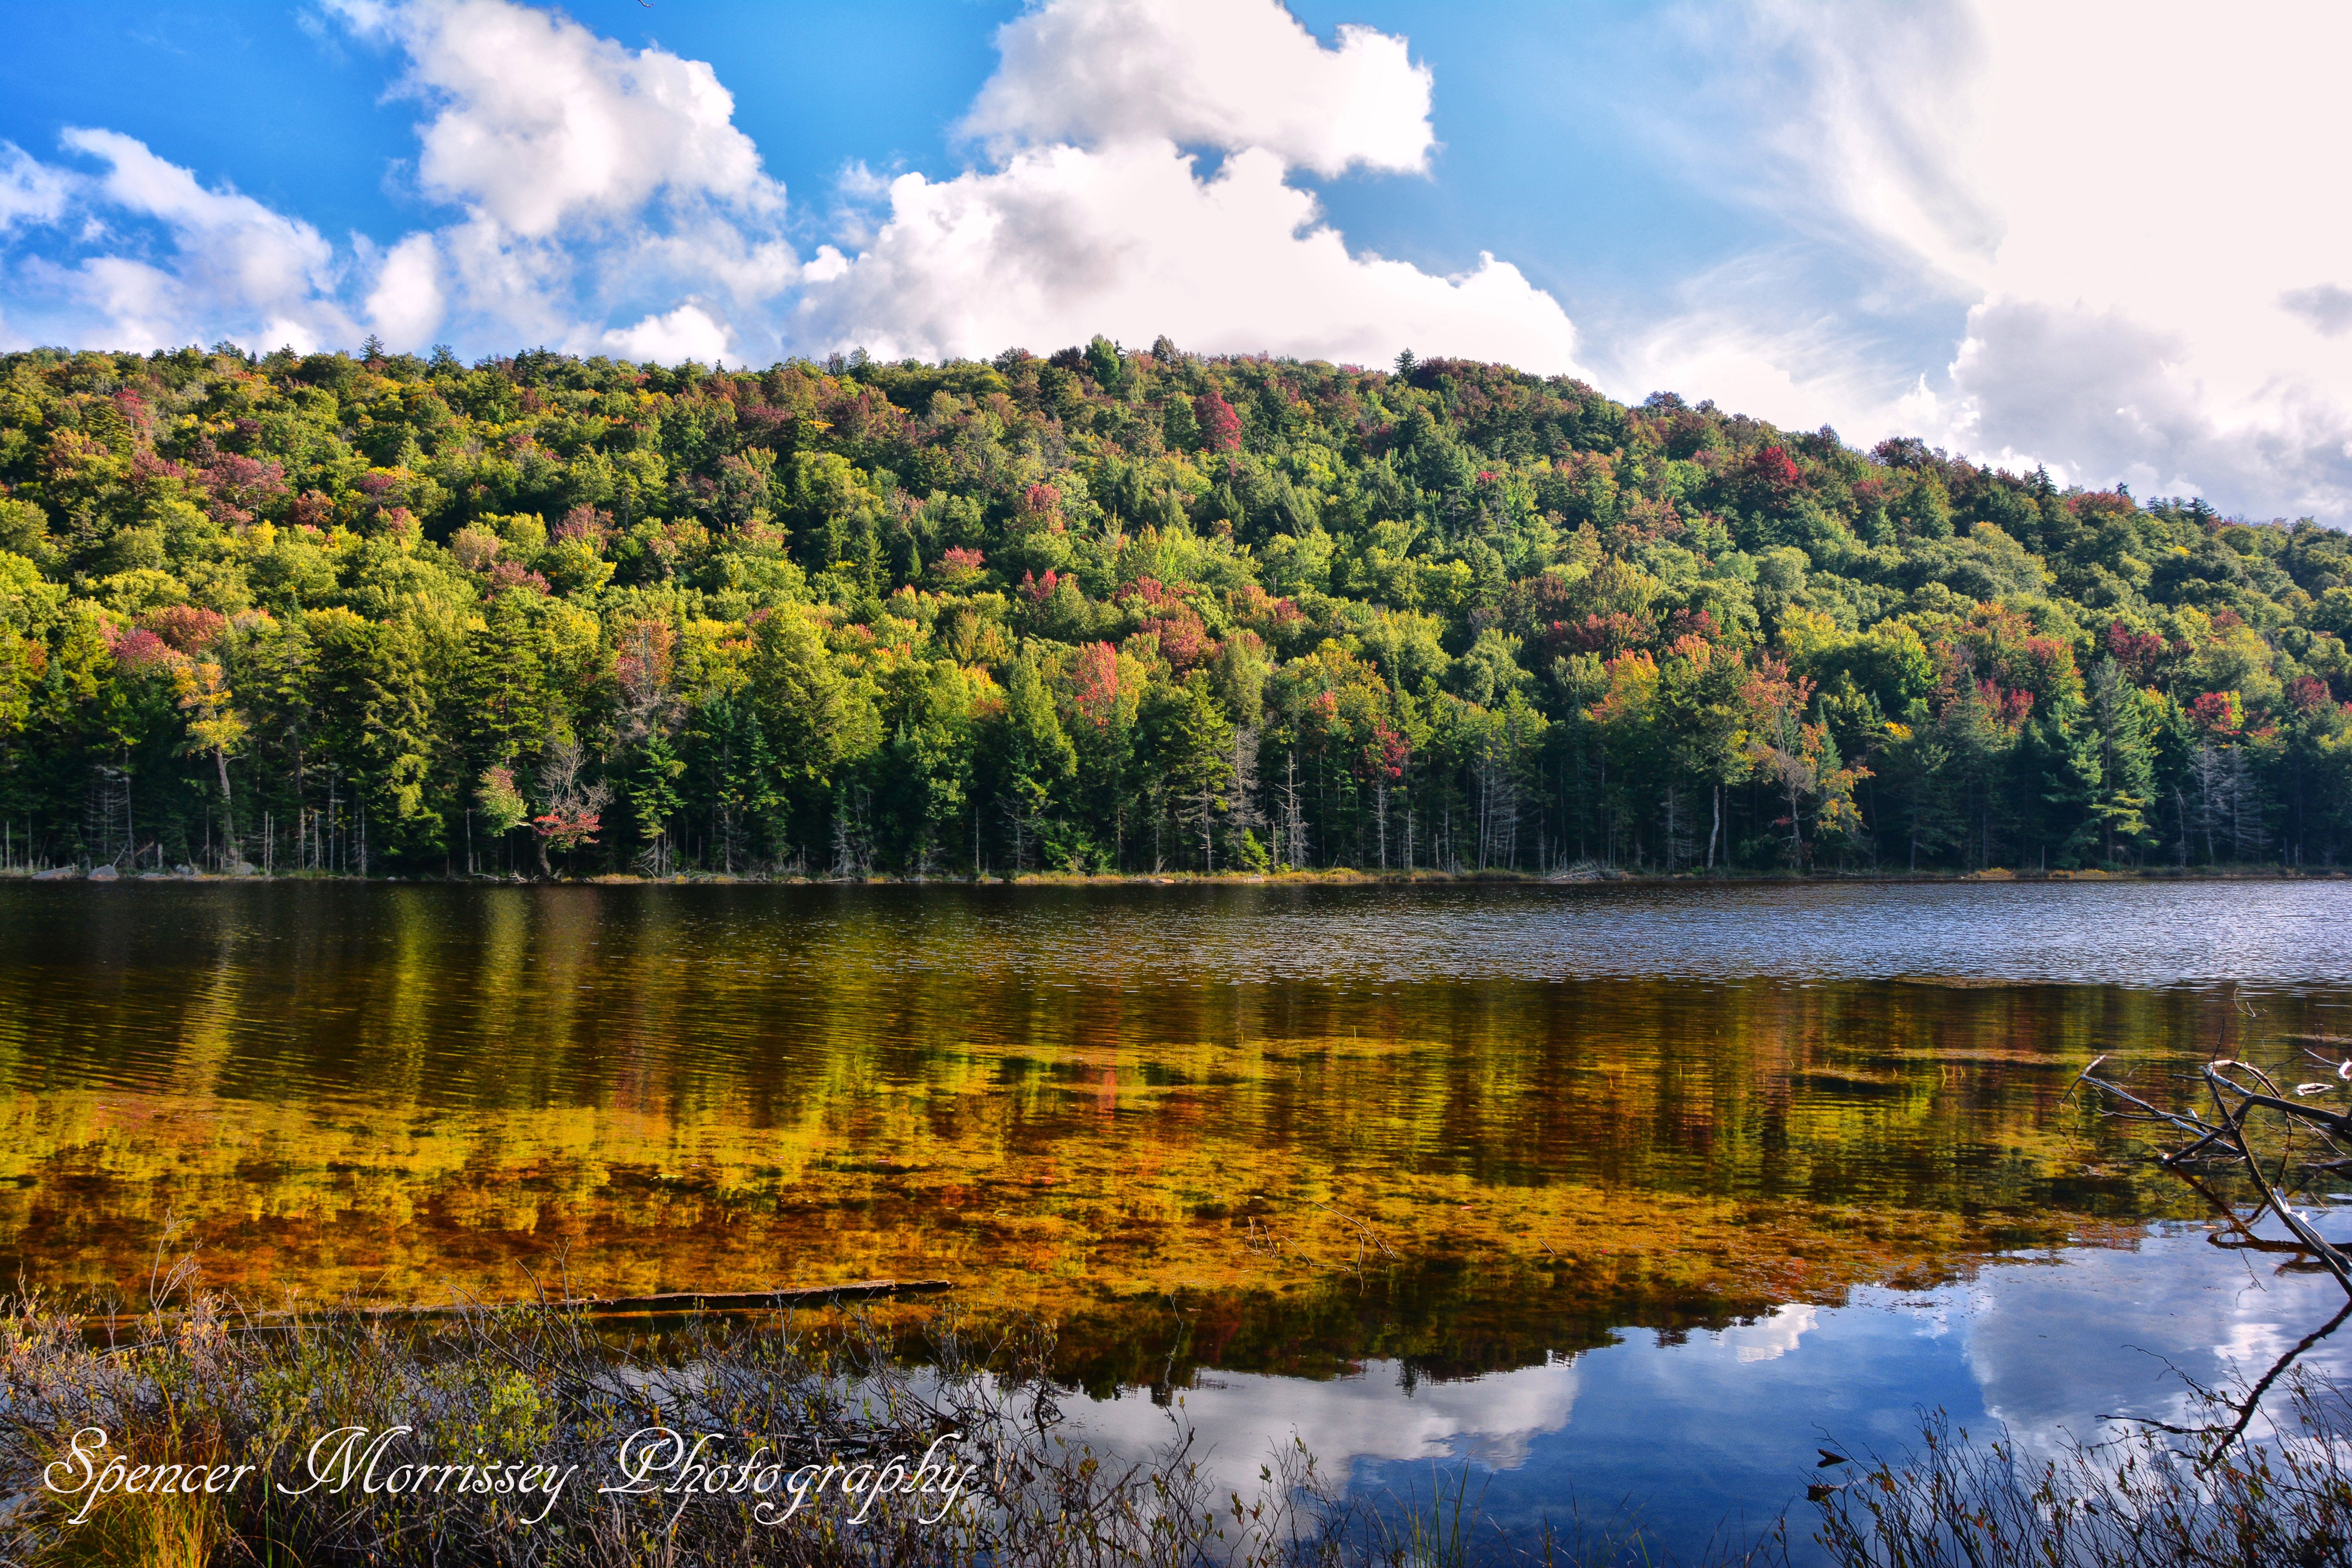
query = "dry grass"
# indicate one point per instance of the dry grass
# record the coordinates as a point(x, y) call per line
point(2168, 1498)
point(544, 1386)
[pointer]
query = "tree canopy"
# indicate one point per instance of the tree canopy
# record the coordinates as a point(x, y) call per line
point(1109, 610)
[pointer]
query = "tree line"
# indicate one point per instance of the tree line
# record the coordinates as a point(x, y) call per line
point(1107, 610)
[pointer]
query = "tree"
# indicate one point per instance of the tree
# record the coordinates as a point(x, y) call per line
point(1193, 744)
point(1698, 694)
point(815, 717)
point(739, 782)
point(571, 811)
point(503, 806)
point(644, 672)
point(214, 728)
point(1468, 615)
point(1914, 763)
point(1220, 427)
point(1031, 759)
point(650, 787)
point(376, 688)
point(519, 667)
point(925, 774)
point(1799, 759)
point(2126, 770)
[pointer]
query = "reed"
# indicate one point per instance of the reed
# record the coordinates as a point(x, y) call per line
point(2152, 1498)
point(204, 1385)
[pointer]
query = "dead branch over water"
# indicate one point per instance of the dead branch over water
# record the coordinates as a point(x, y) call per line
point(2265, 1149)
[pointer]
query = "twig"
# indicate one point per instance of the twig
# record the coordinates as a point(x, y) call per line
point(2247, 1406)
point(1363, 1232)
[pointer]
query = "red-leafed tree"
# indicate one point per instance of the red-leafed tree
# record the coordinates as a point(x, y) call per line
point(1094, 683)
point(1773, 468)
point(573, 813)
point(1220, 428)
point(2221, 715)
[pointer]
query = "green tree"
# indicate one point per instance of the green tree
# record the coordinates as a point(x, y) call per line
point(1192, 742)
point(2126, 764)
point(1028, 760)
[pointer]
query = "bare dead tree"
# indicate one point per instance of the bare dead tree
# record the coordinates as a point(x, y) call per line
point(1293, 849)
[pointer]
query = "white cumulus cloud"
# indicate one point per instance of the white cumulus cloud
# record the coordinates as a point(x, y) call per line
point(1223, 73)
point(592, 183)
point(595, 179)
point(1095, 219)
point(407, 303)
point(536, 120)
point(1063, 243)
point(688, 332)
point(602, 198)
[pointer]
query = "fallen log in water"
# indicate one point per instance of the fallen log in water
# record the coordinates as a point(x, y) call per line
point(2277, 1171)
point(698, 1300)
point(666, 1302)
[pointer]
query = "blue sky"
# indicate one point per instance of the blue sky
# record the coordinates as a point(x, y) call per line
point(1974, 220)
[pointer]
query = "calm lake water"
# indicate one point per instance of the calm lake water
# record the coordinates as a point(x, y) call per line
point(1633, 1192)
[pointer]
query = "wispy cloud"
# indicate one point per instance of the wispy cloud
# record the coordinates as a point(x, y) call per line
point(2140, 278)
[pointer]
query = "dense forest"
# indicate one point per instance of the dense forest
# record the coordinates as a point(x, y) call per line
point(1108, 611)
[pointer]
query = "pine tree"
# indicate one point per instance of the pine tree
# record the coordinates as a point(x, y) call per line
point(650, 787)
point(1033, 762)
point(2126, 764)
point(1194, 744)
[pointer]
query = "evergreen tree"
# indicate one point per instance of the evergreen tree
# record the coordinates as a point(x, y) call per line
point(2126, 769)
point(1192, 745)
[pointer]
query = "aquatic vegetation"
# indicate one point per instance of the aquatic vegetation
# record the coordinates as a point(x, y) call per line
point(533, 1434)
point(399, 1091)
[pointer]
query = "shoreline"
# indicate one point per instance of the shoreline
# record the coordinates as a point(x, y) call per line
point(1333, 876)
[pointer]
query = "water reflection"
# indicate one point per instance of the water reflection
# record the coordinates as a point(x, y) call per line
point(1071, 1098)
point(1693, 1430)
point(1632, 1191)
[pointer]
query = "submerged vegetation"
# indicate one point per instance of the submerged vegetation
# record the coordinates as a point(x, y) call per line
point(1107, 610)
point(733, 1088)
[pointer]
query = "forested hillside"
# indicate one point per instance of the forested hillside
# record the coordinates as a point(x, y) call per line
point(1109, 611)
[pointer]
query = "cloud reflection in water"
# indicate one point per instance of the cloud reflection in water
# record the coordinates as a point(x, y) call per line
point(1721, 1427)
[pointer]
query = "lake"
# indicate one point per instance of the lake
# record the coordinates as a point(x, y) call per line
point(1628, 1191)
